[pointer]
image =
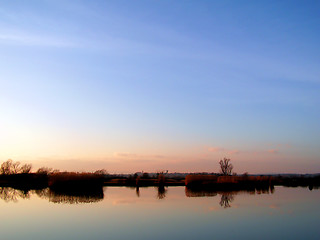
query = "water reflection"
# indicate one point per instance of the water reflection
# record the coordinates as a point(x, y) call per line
point(226, 199)
point(161, 192)
point(9, 194)
point(226, 196)
point(92, 195)
point(74, 197)
point(124, 215)
point(138, 191)
point(199, 192)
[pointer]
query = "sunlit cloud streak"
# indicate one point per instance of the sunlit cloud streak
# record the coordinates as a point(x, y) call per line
point(236, 151)
point(34, 40)
point(134, 155)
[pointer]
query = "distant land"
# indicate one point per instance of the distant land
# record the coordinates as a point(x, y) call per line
point(17, 176)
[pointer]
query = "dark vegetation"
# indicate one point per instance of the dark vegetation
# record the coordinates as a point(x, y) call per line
point(144, 179)
point(227, 180)
point(17, 181)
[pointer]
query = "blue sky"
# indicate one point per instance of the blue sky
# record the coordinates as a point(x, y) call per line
point(128, 85)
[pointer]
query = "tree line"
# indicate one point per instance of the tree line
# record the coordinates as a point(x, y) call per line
point(10, 167)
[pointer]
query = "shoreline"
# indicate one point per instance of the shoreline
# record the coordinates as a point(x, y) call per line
point(90, 180)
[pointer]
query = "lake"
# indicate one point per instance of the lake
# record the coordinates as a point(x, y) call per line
point(170, 213)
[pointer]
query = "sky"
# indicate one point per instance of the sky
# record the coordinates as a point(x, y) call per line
point(161, 85)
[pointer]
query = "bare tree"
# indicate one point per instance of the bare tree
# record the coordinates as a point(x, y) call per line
point(225, 166)
point(44, 170)
point(5, 167)
point(101, 172)
point(15, 167)
point(10, 167)
point(26, 168)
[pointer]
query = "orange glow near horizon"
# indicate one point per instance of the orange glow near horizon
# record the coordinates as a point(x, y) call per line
point(202, 159)
point(73, 151)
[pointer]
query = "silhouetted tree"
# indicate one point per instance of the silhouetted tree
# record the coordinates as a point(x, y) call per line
point(10, 167)
point(6, 167)
point(44, 170)
point(137, 181)
point(162, 172)
point(225, 166)
point(15, 167)
point(26, 168)
point(145, 175)
point(101, 172)
point(161, 179)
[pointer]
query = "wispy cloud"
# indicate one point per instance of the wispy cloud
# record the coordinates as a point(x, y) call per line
point(223, 150)
point(135, 156)
point(273, 151)
point(26, 39)
point(236, 151)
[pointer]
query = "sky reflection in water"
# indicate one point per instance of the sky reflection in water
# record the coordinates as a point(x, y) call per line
point(125, 213)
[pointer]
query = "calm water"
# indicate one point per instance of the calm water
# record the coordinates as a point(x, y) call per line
point(124, 213)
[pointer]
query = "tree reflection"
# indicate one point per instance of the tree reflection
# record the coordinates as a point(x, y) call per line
point(226, 199)
point(138, 191)
point(227, 196)
point(42, 193)
point(9, 194)
point(161, 192)
point(76, 195)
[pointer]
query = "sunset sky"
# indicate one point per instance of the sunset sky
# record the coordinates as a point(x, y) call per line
point(161, 85)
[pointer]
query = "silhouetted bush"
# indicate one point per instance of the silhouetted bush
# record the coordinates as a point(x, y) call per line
point(46, 170)
point(101, 172)
point(195, 179)
point(228, 182)
point(145, 175)
point(69, 180)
